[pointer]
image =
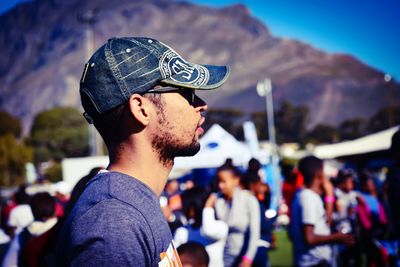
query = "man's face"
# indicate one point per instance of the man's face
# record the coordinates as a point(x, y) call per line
point(178, 125)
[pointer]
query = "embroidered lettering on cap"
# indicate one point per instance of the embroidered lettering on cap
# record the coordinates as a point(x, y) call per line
point(177, 69)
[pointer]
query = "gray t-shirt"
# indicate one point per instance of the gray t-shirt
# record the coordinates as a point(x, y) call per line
point(117, 221)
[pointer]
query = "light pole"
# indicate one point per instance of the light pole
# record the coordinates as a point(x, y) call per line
point(388, 82)
point(264, 88)
point(89, 18)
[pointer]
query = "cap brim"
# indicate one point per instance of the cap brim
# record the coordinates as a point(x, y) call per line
point(209, 77)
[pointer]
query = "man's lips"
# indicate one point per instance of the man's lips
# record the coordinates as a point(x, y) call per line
point(199, 128)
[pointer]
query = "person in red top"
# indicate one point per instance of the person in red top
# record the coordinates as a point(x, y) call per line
point(293, 182)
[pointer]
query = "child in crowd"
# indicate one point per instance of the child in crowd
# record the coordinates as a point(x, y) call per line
point(193, 254)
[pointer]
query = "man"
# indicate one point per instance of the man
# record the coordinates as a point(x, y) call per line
point(309, 229)
point(139, 94)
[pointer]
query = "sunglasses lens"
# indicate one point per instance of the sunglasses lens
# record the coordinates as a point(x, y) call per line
point(189, 95)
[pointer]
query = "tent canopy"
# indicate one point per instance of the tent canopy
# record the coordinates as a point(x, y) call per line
point(216, 146)
point(374, 142)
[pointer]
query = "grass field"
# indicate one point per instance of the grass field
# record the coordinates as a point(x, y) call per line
point(282, 255)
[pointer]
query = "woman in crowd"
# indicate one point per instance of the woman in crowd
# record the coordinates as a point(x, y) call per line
point(240, 210)
point(372, 217)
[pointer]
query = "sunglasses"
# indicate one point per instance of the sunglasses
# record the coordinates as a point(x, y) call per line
point(188, 94)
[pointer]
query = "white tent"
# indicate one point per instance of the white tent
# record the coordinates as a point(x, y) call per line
point(374, 142)
point(74, 169)
point(216, 146)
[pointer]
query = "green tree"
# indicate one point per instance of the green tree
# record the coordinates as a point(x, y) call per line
point(352, 128)
point(383, 119)
point(54, 173)
point(290, 123)
point(260, 120)
point(9, 124)
point(322, 133)
point(13, 157)
point(59, 133)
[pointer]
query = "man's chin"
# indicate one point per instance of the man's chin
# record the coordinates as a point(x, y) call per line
point(188, 151)
point(191, 151)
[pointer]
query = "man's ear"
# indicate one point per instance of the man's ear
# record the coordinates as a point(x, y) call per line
point(140, 109)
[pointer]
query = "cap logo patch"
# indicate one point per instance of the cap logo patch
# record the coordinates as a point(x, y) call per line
point(177, 69)
point(181, 68)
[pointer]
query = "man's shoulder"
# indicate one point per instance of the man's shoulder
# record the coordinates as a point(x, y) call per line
point(117, 232)
point(122, 188)
point(109, 210)
point(115, 198)
point(118, 223)
point(112, 219)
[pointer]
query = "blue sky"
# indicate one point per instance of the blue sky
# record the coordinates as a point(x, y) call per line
point(367, 29)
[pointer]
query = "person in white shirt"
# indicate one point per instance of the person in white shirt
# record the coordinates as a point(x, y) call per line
point(202, 227)
point(346, 201)
point(309, 229)
point(345, 217)
point(20, 216)
point(43, 208)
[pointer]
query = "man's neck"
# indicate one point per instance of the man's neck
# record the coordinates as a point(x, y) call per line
point(143, 164)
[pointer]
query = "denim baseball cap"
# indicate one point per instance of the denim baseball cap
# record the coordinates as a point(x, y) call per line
point(128, 65)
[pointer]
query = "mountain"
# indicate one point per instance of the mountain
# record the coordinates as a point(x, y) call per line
point(44, 46)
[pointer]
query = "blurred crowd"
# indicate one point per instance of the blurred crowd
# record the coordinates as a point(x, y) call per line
point(345, 220)
point(350, 219)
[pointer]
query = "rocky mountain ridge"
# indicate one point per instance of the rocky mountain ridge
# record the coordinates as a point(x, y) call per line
point(44, 45)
